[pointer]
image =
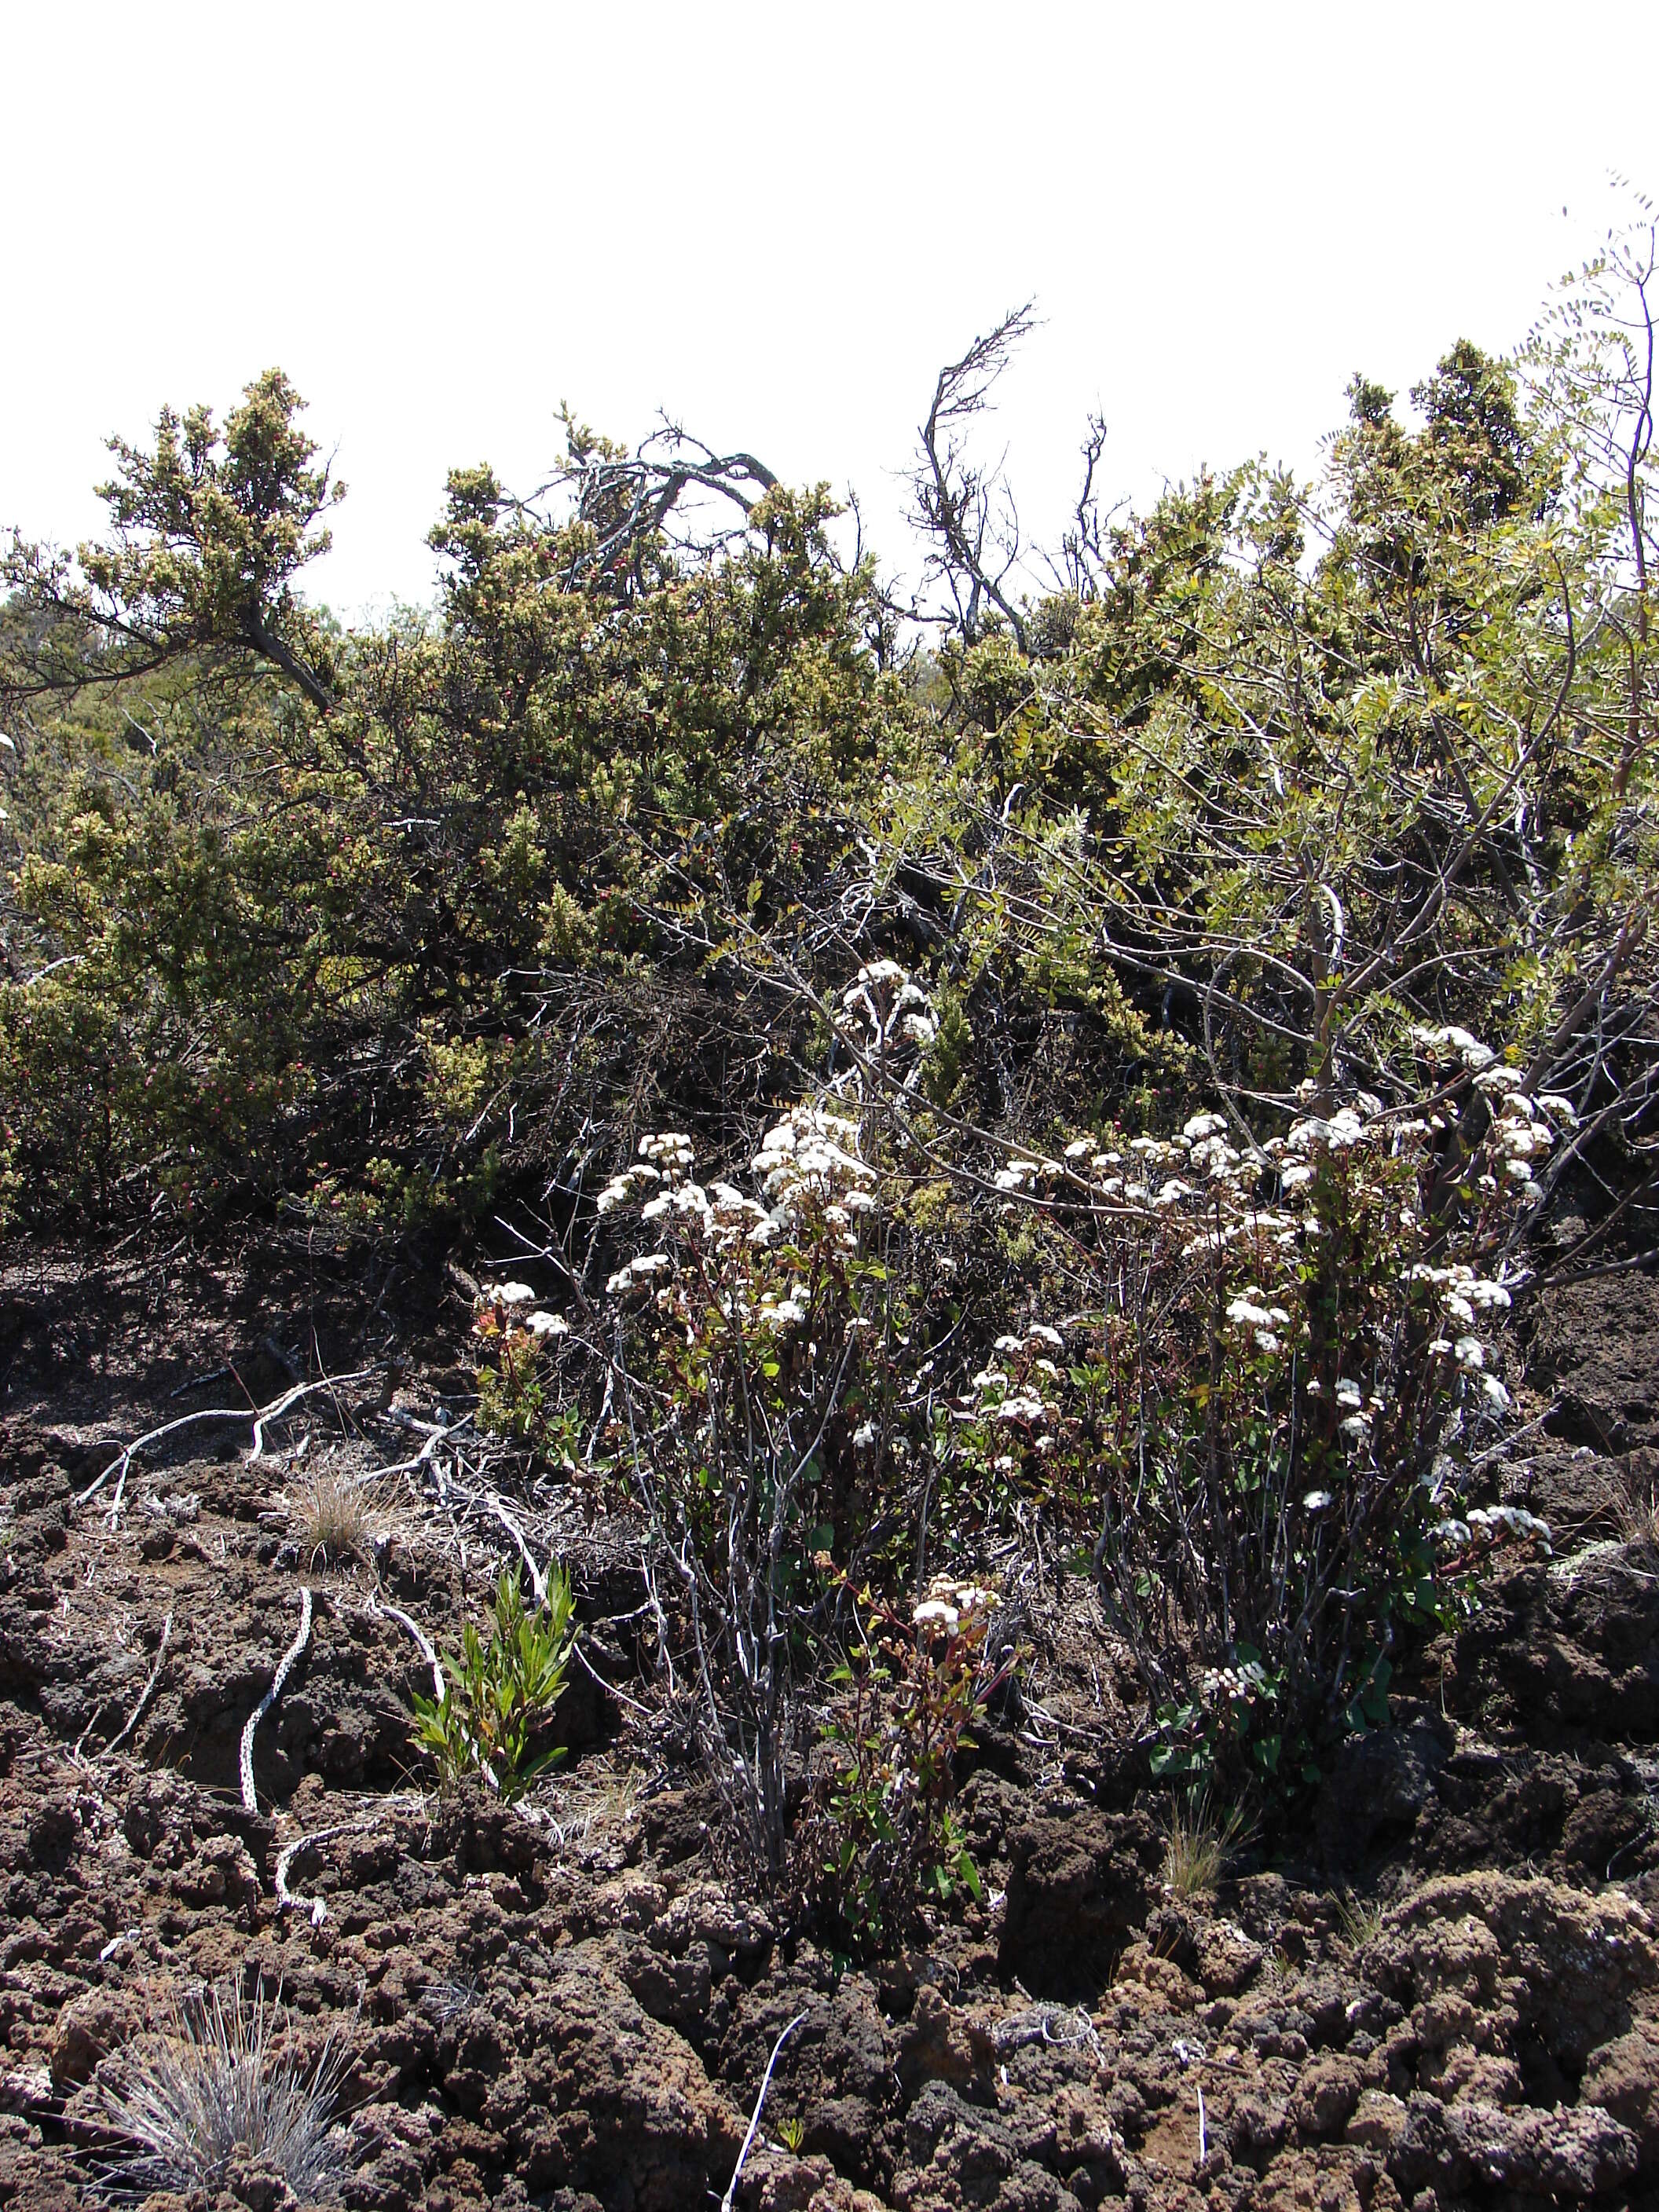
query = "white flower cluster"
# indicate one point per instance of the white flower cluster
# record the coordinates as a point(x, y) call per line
point(1268, 1322)
point(1225, 1685)
point(1018, 1405)
point(1149, 1173)
point(637, 1272)
point(1357, 1409)
point(1451, 1042)
point(514, 1298)
point(890, 1006)
point(1523, 1127)
point(812, 1155)
point(1521, 1130)
point(1488, 1527)
point(672, 1149)
point(1462, 1294)
point(948, 1604)
point(667, 1159)
point(1022, 1173)
point(621, 1188)
point(809, 1167)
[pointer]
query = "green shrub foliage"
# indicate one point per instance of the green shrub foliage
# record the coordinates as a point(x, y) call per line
point(500, 1691)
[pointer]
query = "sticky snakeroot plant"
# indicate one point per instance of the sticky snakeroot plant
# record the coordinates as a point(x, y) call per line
point(750, 1360)
point(1270, 1410)
point(514, 1335)
point(884, 1839)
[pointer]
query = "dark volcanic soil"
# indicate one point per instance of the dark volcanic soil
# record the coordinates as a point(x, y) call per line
point(1449, 1997)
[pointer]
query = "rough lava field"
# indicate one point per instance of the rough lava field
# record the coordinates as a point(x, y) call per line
point(1447, 1998)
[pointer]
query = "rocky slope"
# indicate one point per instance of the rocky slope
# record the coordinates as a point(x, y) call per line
point(1448, 1996)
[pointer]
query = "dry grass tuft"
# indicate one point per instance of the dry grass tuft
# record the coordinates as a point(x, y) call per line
point(1638, 1510)
point(1358, 1920)
point(213, 2089)
point(332, 1512)
point(1197, 1844)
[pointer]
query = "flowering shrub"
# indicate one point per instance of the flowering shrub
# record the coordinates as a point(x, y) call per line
point(1271, 1408)
point(514, 1335)
point(1261, 1412)
point(750, 1363)
point(883, 1838)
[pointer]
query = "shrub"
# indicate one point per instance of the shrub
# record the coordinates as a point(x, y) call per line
point(884, 1840)
point(213, 2088)
point(1270, 1412)
point(501, 1691)
point(513, 1336)
point(751, 1367)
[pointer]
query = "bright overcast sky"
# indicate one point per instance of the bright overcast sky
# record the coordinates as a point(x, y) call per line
point(776, 222)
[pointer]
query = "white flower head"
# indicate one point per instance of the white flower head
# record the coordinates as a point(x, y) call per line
point(1474, 1055)
point(1344, 1129)
point(1245, 1312)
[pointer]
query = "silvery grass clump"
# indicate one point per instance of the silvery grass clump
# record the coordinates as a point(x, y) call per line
point(218, 2086)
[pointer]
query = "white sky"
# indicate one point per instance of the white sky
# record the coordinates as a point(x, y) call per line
point(777, 221)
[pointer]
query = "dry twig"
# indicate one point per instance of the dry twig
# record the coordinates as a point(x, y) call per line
point(291, 1659)
point(258, 1415)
